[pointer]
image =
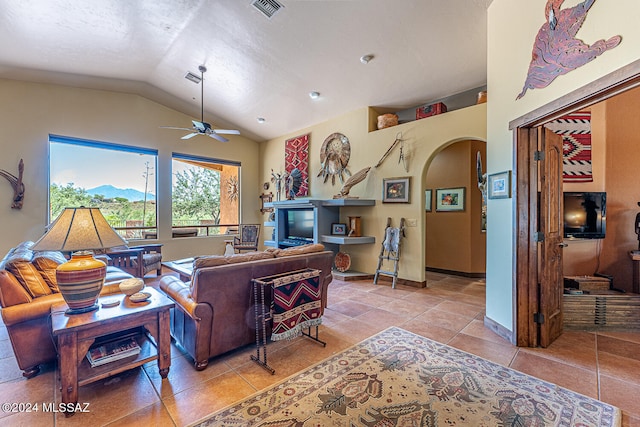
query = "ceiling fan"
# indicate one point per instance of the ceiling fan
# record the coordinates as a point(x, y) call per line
point(201, 127)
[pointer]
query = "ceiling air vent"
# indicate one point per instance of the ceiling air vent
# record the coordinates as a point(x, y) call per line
point(192, 77)
point(267, 7)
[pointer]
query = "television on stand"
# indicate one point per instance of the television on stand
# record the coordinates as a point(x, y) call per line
point(299, 227)
point(585, 215)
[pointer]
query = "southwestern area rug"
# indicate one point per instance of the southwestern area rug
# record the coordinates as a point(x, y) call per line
point(397, 378)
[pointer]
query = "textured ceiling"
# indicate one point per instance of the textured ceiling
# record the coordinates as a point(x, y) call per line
point(257, 67)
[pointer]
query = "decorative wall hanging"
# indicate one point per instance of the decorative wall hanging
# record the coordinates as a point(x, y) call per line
point(292, 184)
point(296, 156)
point(265, 198)
point(575, 130)
point(353, 180)
point(427, 200)
point(450, 199)
point(402, 158)
point(482, 186)
point(334, 157)
point(556, 50)
point(17, 184)
point(395, 190)
point(232, 188)
point(278, 180)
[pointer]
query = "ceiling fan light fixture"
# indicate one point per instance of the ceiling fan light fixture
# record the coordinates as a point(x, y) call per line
point(314, 95)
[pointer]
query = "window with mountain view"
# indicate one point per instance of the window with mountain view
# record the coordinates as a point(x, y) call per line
point(118, 179)
point(206, 194)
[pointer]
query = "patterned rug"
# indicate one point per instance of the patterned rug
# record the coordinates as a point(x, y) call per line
point(397, 378)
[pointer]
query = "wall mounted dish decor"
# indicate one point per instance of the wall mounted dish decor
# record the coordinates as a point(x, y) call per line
point(556, 50)
point(334, 157)
point(450, 199)
point(296, 156)
point(396, 190)
point(499, 185)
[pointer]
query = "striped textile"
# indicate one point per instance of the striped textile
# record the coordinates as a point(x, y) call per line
point(575, 129)
point(296, 303)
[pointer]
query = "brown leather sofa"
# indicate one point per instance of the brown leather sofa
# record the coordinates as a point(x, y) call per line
point(27, 292)
point(214, 313)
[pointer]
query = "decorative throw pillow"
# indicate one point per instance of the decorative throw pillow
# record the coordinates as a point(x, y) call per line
point(29, 277)
point(46, 262)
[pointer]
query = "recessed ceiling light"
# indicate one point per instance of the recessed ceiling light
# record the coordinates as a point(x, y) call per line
point(261, 119)
point(366, 58)
point(314, 95)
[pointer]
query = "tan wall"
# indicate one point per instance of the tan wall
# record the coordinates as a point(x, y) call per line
point(454, 240)
point(512, 28)
point(32, 111)
point(423, 138)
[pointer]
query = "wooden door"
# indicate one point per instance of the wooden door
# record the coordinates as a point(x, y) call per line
point(550, 276)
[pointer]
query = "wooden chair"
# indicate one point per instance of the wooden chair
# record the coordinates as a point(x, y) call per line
point(137, 260)
point(248, 238)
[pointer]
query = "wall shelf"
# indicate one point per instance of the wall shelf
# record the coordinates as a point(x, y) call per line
point(345, 240)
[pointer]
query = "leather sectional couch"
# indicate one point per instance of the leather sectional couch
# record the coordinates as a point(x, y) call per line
point(215, 313)
point(27, 291)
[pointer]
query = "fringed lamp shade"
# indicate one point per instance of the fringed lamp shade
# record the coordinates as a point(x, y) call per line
point(80, 280)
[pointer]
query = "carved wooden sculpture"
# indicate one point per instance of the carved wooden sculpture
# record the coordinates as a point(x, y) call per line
point(17, 184)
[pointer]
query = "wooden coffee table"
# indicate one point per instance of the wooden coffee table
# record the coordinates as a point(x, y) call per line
point(77, 332)
point(184, 267)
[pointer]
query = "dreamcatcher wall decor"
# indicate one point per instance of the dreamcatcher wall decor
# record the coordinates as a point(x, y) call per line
point(334, 157)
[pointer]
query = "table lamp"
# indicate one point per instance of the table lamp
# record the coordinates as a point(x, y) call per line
point(80, 231)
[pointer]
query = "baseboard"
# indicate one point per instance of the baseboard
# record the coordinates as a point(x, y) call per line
point(499, 330)
point(457, 273)
point(405, 282)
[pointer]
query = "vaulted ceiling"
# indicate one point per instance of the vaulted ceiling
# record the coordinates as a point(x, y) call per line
point(422, 50)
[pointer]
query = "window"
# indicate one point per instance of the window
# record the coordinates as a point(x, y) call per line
point(118, 179)
point(206, 195)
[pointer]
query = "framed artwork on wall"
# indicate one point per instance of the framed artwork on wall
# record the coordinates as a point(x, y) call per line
point(449, 199)
point(395, 190)
point(499, 185)
point(427, 200)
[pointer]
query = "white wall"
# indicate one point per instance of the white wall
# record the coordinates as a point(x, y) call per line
point(29, 112)
point(512, 28)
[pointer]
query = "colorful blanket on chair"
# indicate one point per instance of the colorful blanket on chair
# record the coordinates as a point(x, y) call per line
point(296, 303)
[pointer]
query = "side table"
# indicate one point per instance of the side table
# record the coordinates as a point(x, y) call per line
point(75, 334)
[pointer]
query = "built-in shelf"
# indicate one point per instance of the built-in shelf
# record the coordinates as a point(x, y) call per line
point(345, 240)
point(269, 223)
point(348, 202)
point(271, 243)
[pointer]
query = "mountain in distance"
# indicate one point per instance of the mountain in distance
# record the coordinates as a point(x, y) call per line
point(111, 192)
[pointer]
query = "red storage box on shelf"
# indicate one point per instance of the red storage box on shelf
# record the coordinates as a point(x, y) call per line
point(430, 110)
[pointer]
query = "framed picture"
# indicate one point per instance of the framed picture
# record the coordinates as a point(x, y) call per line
point(339, 229)
point(395, 190)
point(449, 199)
point(499, 185)
point(427, 200)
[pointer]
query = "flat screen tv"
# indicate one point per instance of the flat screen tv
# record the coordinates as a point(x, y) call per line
point(299, 224)
point(585, 215)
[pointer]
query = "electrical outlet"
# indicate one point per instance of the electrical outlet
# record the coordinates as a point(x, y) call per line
point(412, 222)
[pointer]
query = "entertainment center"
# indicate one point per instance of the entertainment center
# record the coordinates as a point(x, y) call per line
point(301, 221)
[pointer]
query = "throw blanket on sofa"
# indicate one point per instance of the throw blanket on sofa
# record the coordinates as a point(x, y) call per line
point(296, 303)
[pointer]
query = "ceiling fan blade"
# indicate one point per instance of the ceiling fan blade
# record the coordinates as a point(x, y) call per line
point(190, 135)
point(176, 128)
point(227, 131)
point(218, 137)
point(201, 126)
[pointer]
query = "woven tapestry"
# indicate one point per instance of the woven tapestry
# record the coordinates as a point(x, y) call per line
point(296, 155)
point(576, 146)
point(296, 303)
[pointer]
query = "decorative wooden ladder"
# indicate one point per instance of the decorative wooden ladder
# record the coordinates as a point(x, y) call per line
point(390, 246)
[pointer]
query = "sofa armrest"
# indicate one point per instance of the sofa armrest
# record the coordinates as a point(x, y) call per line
point(179, 292)
point(38, 308)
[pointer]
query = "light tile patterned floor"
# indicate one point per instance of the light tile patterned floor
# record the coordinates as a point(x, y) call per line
point(451, 310)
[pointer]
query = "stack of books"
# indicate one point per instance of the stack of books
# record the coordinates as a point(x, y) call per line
point(112, 351)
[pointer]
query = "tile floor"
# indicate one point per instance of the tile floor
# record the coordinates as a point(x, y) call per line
point(450, 310)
